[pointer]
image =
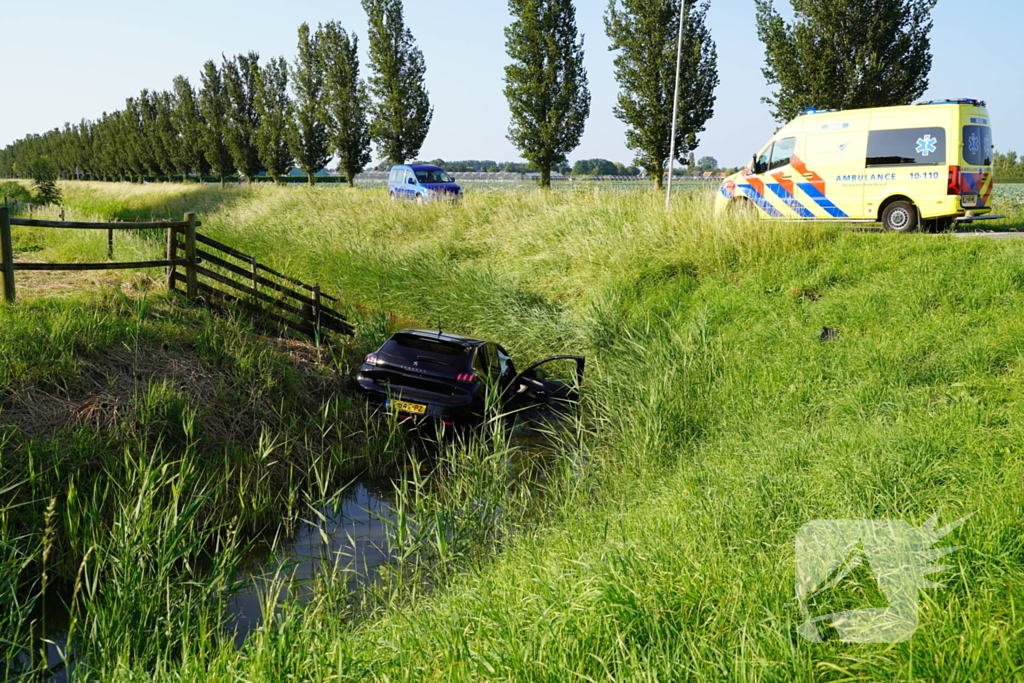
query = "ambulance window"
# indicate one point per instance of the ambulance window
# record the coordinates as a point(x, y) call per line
point(762, 161)
point(782, 153)
point(907, 146)
point(977, 145)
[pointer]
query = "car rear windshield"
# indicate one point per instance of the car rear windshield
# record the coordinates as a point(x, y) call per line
point(977, 145)
point(414, 347)
point(433, 177)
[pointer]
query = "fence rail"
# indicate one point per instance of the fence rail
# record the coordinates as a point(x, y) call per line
point(259, 283)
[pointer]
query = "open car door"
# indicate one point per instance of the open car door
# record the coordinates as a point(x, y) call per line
point(558, 382)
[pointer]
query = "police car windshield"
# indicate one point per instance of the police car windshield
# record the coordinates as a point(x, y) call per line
point(433, 177)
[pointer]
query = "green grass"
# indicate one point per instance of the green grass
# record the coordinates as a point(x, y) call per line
point(660, 547)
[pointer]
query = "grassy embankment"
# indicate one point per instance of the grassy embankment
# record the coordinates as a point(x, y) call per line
point(718, 425)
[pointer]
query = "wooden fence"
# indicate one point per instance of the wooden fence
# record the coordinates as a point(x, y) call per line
point(197, 256)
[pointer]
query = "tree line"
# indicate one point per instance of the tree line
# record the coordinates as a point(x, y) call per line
point(251, 118)
point(1008, 166)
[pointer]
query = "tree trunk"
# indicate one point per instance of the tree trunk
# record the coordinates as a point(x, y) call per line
point(659, 180)
point(312, 180)
point(223, 180)
point(545, 178)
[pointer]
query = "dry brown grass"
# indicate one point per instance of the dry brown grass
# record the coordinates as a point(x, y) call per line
point(57, 283)
point(110, 390)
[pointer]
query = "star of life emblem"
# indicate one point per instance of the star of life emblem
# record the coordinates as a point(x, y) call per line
point(974, 143)
point(926, 145)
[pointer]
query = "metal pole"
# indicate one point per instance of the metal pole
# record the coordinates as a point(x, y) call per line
point(675, 103)
point(316, 305)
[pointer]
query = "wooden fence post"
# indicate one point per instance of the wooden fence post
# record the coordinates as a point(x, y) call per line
point(172, 254)
point(255, 272)
point(110, 242)
point(191, 275)
point(7, 254)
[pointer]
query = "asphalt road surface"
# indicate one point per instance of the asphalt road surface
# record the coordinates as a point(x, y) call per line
point(993, 235)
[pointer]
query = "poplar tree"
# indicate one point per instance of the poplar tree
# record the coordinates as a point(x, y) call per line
point(241, 82)
point(645, 34)
point(188, 155)
point(309, 139)
point(166, 133)
point(274, 108)
point(845, 54)
point(150, 153)
point(132, 139)
point(546, 84)
point(347, 99)
point(213, 105)
point(401, 111)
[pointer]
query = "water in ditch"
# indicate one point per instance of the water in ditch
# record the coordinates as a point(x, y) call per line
point(347, 536)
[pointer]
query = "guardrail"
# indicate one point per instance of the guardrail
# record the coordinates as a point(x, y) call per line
point(210, 261)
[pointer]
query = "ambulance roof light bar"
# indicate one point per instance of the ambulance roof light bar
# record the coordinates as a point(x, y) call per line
point(962, 100)
point(819, 111)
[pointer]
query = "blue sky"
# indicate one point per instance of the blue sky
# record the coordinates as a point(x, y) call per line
point(70, 59)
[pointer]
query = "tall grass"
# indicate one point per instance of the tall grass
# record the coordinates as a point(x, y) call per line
point(716, 423)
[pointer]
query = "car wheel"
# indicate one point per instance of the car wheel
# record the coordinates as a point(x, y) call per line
point(900, 216)
point(392, 196)
point(420, 199)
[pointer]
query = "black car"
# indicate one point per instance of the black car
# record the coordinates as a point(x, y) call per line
point(434, 375)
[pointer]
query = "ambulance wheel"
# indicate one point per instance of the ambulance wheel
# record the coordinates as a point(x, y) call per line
point(742, 207)
point(900, 217)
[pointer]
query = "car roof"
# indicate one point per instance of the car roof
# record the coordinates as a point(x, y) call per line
point(425, 167)
point(437, 335)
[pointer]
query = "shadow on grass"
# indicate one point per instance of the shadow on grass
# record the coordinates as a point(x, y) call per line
point(154, 201)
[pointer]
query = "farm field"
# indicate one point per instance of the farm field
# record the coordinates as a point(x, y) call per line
point(659, 542)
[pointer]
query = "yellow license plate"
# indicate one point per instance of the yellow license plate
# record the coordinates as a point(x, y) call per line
point(969, 200)
point(417, 408)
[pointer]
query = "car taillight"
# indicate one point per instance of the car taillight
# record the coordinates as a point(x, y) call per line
point(953, 186)
point(371, 359)
point(465, 377)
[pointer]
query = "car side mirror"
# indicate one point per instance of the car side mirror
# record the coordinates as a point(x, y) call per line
point(412, 181)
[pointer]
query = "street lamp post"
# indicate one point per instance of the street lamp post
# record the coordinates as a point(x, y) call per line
point(675, 103)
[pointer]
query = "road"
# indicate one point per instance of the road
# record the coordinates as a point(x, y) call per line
point(993, 235)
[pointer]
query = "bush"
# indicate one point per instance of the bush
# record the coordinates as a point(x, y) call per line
point(44, 175)
point(15, 192)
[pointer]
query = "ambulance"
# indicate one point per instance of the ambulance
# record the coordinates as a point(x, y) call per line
point(918, 166)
